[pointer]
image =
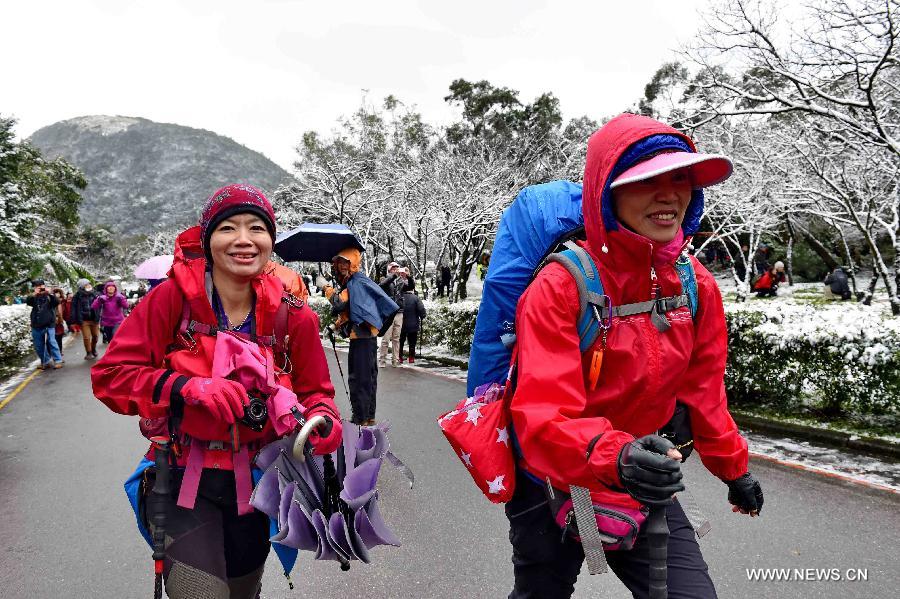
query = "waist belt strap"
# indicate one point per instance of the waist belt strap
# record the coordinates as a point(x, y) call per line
point(190, 484)
point(187, 496)
point(242, 483)
point(587, 529)
point(694, 514)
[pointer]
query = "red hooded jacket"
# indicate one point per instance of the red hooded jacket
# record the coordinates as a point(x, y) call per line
point(644, 371)
point(147, 362)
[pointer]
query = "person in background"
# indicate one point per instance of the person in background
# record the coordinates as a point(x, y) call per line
point(360, 308)
point(60, 325)
point(443, 280)
point(86, 317)
point(413, 313)
point(393, 286)
point(111, 306)
point(761, 259)
point(837, 285)
point(43, 325)
point(767, 284)
point(70, 322)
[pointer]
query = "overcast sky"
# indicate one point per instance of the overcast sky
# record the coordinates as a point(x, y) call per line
point(263, 72)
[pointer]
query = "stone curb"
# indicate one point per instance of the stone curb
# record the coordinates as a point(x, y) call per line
point(838, 439)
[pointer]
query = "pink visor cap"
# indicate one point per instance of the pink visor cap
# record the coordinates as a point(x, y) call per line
point(704, 169)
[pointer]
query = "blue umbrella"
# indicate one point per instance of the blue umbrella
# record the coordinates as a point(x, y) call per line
point(315, 242)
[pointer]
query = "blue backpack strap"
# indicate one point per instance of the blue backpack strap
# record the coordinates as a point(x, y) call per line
point(685, 269)
point(591, 298)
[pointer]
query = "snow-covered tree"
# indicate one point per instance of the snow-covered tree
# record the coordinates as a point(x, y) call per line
point(39, 202)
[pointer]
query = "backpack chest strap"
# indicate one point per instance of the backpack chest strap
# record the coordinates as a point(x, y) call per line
point(595, 307)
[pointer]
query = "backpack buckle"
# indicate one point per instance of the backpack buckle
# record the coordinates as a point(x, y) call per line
point(603, 323)
point(189, 341)
point(292, 301)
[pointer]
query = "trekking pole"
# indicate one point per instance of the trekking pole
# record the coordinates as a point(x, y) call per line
point(157, 507)
point(658, 550)
point(338, 360)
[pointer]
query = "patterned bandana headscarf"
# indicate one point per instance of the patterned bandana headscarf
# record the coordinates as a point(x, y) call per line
point(231, 200)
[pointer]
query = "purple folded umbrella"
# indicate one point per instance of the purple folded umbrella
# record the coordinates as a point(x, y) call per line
point(295, 495)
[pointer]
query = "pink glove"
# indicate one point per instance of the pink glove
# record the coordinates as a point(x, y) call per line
point(327, 437)
point(222, 398)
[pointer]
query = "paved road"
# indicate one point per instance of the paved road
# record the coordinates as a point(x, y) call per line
point(67, 531)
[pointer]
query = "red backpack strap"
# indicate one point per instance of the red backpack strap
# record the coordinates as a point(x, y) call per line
point(282, 317)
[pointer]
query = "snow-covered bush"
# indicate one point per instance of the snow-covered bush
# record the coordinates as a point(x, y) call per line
point(450, 325)
point(322, 307)
point(834, 359)
point(15, 332)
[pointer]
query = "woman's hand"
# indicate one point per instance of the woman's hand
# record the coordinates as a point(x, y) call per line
point(649, 470)
point(745, 495)
point(224, 399)
point(327, 437)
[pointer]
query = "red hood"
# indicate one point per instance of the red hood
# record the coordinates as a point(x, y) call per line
point(188, 245)
point(605, 147)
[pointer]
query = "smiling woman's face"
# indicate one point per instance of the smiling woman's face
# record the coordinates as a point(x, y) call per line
point(241, 246)
point(654, 207)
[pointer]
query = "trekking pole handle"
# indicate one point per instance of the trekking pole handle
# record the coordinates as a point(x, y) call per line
point(303, 436)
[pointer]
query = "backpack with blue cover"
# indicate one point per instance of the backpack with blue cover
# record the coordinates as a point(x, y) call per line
point(541, 226)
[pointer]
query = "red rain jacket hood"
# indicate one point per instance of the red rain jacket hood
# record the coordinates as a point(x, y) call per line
point(573, 435)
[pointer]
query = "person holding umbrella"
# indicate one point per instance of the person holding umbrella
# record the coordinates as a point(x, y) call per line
point(361, 309)
point(161, 364)
point(642, 200)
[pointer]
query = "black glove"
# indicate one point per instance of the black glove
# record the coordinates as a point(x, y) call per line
point(647, 473)
point(745, 493)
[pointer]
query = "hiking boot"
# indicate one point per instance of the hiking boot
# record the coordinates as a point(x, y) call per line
point(382, 364)
point(88, 356)
point(58, 365)
point(94, 353)
point(45, 366)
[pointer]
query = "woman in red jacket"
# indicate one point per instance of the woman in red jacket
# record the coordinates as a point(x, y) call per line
point(642, 199)
point(159, 366)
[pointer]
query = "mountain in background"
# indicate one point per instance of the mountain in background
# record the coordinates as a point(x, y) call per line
point(145, 176)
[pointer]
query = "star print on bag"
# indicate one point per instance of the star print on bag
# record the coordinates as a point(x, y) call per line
point(474, 414)
point(481, 441)
point(503, 436)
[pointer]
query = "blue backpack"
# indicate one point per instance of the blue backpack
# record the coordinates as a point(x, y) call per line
point(541, 226)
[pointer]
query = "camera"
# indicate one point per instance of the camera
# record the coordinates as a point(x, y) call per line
point(256, 413)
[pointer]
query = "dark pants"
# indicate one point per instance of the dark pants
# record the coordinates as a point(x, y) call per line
point(362, 372)
point(767, 292)
point(441, 287)
point(210, 550)
point(413, 337)
point(547, 567)
point(108, 332)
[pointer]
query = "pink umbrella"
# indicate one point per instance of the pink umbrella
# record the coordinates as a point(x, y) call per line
point(155, 267)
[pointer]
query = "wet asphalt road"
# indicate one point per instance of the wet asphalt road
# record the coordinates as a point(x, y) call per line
point(66, 530)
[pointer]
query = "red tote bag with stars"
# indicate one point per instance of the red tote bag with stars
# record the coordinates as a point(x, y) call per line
point(479, 430)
